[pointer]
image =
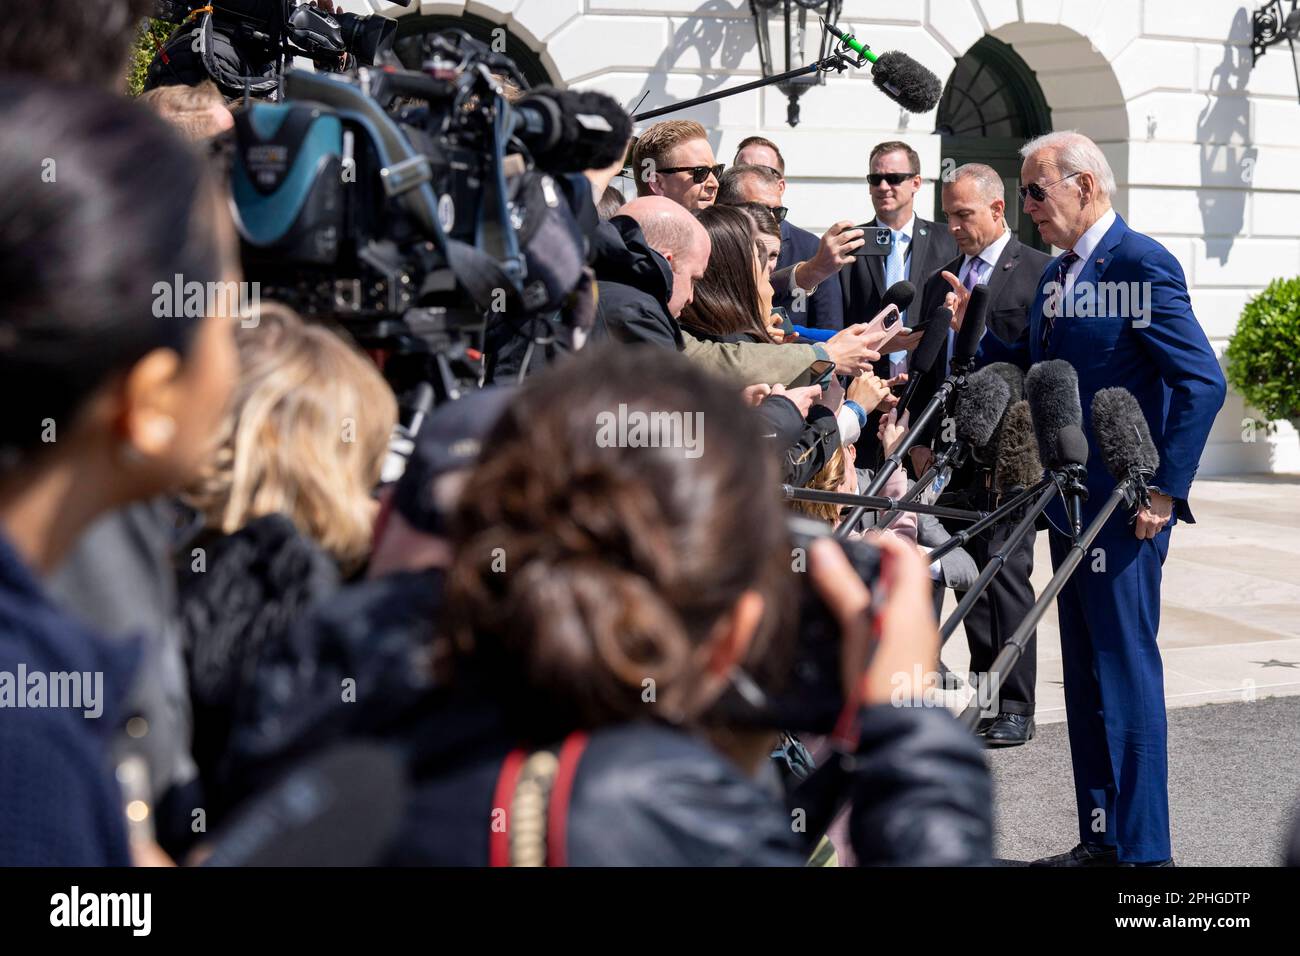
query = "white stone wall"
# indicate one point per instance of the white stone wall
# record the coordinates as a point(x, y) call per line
point(1206, 148)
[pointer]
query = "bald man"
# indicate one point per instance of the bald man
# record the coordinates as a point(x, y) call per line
point(647, 261)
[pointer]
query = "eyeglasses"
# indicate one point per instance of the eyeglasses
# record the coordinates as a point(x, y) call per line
point(1038, 193)
point(778, 212)
point(893, 179)
point(698, 173)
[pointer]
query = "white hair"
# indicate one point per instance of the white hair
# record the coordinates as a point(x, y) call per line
point(988, 184)
point(1075, 153)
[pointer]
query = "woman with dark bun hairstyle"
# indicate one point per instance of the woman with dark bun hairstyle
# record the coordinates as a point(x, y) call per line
point(109, 397)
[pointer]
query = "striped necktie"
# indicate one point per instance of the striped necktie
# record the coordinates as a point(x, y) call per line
point(1055, 304)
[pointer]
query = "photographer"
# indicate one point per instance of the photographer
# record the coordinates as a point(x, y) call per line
point(628, 565)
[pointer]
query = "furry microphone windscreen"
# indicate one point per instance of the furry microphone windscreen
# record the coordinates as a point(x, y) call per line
point(1018, 464)
point(1122, 434)
point(906, 82)
point(1052, 389)
point(981, 403)
point(1013, 375)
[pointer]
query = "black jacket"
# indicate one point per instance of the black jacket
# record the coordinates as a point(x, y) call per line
point(235, 608)
point(825, 307)
point(644, 793)
point(1012, 285)
point(633, 285)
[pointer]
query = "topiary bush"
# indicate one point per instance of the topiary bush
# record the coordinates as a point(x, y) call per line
point(1264, 353)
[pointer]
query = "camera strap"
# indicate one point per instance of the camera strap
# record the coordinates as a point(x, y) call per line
point(533, 792)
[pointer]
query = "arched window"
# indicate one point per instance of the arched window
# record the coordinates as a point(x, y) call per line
point(410, 29)
point(991, 105)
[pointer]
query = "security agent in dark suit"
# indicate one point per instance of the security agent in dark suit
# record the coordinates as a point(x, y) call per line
point(974, 202)
point(921, 248)
point(820, 307)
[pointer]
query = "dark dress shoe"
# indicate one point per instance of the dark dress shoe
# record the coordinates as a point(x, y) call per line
point(1082, 855)
point(1010, 730)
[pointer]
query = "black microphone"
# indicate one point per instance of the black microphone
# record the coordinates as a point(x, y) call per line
point(1052, 389)
point(926, 353)
point(1124, 438)
point(900, 294)
point(972, 329)
point(897, 75)
point(339, 808)
point(980, 407)
point(1013, 375)
point(1018, 465)
point(568, 131)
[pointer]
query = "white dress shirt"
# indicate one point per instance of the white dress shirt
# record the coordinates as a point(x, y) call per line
point(1088, 244)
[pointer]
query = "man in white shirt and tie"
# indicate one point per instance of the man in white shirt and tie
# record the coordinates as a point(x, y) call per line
point(974, 201)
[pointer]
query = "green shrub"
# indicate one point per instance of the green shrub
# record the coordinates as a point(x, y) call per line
point(151, 37)
point(1264, 353)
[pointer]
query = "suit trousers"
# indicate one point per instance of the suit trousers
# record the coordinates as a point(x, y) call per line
point(999, 611)
point(1109, 614)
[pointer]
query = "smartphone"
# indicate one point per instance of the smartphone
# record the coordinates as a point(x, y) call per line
point(819, 373)
point(877, 241)
point(787, 324)
point(812, 695)
point(888, 322)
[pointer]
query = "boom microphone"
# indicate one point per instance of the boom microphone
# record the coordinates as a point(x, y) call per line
point(1122, 434)
point(1018, 465)
point(972, 328)
point(897, 75)
point(340, 808)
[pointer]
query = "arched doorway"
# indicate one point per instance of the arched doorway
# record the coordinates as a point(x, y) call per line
point(991, 105)
point(411, 28)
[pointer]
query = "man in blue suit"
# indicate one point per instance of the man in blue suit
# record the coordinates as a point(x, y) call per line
point(1115, 306)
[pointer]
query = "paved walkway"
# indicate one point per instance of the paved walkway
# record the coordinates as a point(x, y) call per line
point(1230, 608)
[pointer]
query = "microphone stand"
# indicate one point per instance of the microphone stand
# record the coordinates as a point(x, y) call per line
point(961, 538)
point(876, 503)
point(999, 559)
point(1127, 490)
point(891, 464)
point(950, 458)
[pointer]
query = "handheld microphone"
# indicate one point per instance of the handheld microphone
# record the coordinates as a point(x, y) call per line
point(927, 352)
point(1124, 438)
point(339, 808)
point(900, 294)
point(1018, 465)
point(972, 330)
point(897, 75)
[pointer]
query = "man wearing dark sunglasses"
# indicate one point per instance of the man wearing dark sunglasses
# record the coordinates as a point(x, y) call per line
point(818, 260)
point(674, 159)
point(920, 249)
point(1149, 342)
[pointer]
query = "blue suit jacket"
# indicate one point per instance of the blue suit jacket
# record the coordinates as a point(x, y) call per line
point(826, 305)
point(1166, 362)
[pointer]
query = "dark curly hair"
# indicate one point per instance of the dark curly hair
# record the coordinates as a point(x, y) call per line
point(582, 570)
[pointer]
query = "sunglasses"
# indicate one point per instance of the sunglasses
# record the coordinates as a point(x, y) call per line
point(893, 179)
point(778, 212)
point(1038, 193)
point(698, 173)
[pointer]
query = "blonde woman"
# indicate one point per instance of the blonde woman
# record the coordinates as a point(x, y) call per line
point(286, 506)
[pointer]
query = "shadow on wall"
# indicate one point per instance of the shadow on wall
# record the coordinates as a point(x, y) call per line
point(1227, 156)
point(726, 39)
